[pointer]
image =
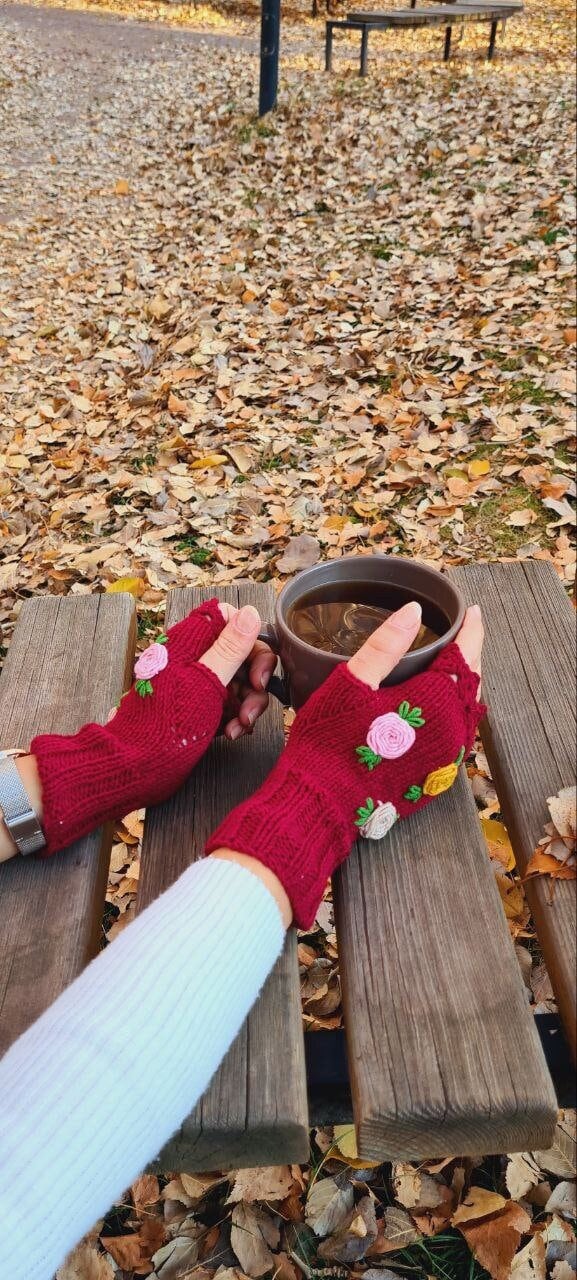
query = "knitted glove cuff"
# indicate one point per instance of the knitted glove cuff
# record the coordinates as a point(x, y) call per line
point(357, 760)
point(162, 727)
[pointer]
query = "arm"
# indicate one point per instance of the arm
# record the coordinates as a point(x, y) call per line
point(149, 1020)
point(128, 1025)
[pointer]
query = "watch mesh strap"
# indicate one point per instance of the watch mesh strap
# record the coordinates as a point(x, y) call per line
point(20, 818)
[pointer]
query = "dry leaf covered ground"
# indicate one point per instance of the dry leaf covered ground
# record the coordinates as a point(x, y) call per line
point(230, 348)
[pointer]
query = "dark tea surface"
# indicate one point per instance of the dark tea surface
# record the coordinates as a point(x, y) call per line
point(342, 626)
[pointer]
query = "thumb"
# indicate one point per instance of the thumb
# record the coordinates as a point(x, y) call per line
point(233, 645)
point(386, 646)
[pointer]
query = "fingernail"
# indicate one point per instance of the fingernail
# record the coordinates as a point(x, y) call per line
point(475, 611)
point(251, 717)
point(407, 618)
point(246, 620)
point(236, 732)
point(264, 679)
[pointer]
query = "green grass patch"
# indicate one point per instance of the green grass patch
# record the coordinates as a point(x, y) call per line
point(487, 522)
point(197, 555)
point(528, 389)
point(444, 1257)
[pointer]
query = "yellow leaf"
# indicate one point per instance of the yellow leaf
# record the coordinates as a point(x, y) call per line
point(478, 1203)
point(209, 460)
point(512, 898)
point(134, 586)
point(345, 1148)
point(122, 188)
point(499, 843)
point(478, 467)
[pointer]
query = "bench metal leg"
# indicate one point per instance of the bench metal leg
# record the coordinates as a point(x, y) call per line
point(364, 50)
point(492, 39)
point(329, 47)
point(447, 49)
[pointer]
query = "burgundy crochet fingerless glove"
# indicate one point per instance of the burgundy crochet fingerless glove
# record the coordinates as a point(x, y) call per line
point(356, 761)
point(161, 729)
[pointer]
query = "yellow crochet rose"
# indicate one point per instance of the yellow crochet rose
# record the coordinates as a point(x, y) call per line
point(440, 780)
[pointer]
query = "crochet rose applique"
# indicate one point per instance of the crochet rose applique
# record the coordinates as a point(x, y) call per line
point(149, 664)
point(375, 820)
point(391, 735)
point(438, 781)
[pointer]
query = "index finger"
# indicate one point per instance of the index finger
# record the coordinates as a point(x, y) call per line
point(386, 646)
point(261, 665)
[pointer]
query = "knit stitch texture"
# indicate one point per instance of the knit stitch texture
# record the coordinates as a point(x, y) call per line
point(331, 783)
point(146, 751)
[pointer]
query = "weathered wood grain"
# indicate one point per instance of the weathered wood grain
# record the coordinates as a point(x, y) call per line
point(443, 1052)
point(255, 1109)
point(68, 662)
point(530, 735)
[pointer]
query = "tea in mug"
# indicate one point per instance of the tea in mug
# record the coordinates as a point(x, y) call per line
point(329, 619)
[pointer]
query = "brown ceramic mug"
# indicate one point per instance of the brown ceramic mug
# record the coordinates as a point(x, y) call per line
point(400, 579)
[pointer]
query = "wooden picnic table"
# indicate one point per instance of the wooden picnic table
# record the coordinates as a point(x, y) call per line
point(448, 14)
point(444, 1055)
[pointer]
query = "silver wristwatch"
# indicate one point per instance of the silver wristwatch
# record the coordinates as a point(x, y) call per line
point(15, 807)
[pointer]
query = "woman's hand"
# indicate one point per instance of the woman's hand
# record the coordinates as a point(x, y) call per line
point(359, 758)
point(247, 698)
point(160, 730)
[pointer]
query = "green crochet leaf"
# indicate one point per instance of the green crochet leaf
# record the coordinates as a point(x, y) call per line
point(368, 757)
point(144, 688)
point(162, 639)
point(414, 793)
point(461, 756)
point(364, 812)
point(413, 715)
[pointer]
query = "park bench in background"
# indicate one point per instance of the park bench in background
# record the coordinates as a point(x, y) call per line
point(443, 1052)
point(447, 15)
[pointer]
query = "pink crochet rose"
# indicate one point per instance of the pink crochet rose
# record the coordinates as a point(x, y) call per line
point(153, 660)
point(390, 736)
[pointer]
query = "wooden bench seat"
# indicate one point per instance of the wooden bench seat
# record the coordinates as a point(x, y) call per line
point(443, 1052)
point(446, 15)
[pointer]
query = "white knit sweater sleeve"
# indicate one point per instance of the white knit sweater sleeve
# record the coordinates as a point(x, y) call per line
point(146, 1023)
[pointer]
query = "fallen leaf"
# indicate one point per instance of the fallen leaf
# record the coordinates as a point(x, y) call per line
point(145, 1191)
point(121, 187)
point(562, 1271)
point(561, 1159)
point(521, 1174)
point(272, 1183)
point(125, 1250)
point(327, 1206)
point(355, 1237)
point(85, 1263)
point(494, 1238)
point(478, 467)
point(563, 1200)
point(529, 1264)
point(301, 553)
point(478, 1203)
point(134, 586)
point(252, 1234)
point(209, 460)
point(499, 843)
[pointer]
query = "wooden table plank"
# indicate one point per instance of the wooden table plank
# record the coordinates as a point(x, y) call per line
point(530, 735)
point(444, 1056)
point(68, 662)
point(255, 1109)
point(433, 17)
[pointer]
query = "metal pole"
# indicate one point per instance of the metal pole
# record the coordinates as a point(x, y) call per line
point(269, 51)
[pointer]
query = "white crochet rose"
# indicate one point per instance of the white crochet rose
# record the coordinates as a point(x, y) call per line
point(380, 822)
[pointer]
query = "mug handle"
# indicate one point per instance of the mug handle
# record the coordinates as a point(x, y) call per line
point(268, 634)
point(277, 684)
